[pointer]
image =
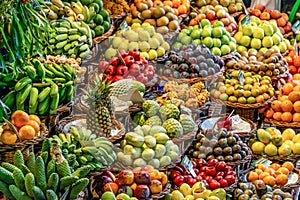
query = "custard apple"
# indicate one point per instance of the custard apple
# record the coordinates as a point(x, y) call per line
point(150, 107)
point(187, 123)
point(154, 120)
point(173, 127)
point(168, 111)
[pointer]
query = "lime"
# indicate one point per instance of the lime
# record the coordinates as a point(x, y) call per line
point(96, 6)
point(86, 2)
point(99, 30)
point(100, 3)
point(106, 26)
point(104, 14)
point(98, 19)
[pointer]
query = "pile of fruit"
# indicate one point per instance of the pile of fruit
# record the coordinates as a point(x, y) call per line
point(198, 191)
point(230, 6)
point(158, 14)
point(41, 88)
point(189, 61)
point(272, 142)
point(282, 19)
point(287, 106)
point(215, 37)
point(273, 175)
point(148, 145)
point(141, 183)
point(213, 174)
point(139, 37)
point(84, 148)
point(253, 89)
point(192, 97)
point(174, 120)
point(259, 190)
point(270, 63)
point(213, 14)
point(45, 176)
point(293, 61)
point(129, 65)
point(70, 37)
point(260, 34)
point(91, 13)
point(222, 145)
point(116, 7)
point(27, 126)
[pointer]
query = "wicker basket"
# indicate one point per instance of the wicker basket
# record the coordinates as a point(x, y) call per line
point(187, 136)
point(27, 146)
point(283, 125)
point(65, 122)
point(100, 38)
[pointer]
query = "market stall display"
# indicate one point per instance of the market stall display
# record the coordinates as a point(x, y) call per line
point(148, 100)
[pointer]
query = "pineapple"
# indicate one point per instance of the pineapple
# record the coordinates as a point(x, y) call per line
point(100, 116)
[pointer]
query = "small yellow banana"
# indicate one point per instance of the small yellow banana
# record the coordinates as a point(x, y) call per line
point(76, 8)
point(70, 13)
point(58, 3)
point(80, 17)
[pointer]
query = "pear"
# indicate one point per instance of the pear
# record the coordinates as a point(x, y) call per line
point(177, 195)
point(110, 52)
point(185, 189)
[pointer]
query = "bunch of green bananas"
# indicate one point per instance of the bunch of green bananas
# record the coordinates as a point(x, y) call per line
point(89, 11)
point(70, 38)
point(83, 146)
point(43, 89)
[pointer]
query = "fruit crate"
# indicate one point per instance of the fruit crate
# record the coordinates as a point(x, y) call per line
point(26, 147)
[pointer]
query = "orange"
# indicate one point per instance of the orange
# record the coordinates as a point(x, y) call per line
point(287, 88)
point(168, 3)
point(281, 179)
point(35, 125)
point(297, 88)
point(175, 11)
point(252, 176)
point(275, 166)
point(296, 117)
point(288, 165)
point(284, 170)
point(276, 105)
point(266, 96)
point(269, 113)
point(277, 116)
point(20, 118)
point(260, 99)
point(260, 166)
point(258, 171)
point(270, 171)
point(283, 97)
point(269, 180)
point(263, 175)
point(296, 76)
point(292, 69)
point(35, 118)
point(8, 137)
point(297, 106)
point(182, 9)
point(287, 117)
point(176, 3)
point(6, 127)
point(289, 60)
point(26, 132)
point(294, 96)
point(287, 106)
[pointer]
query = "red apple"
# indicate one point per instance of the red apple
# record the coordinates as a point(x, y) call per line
point(209, 179)
point(102, 65)
point(221, 166)
point(122, 70)
point(123, 53)
point(144, 60)
point(155, 186)
point(142, 178)
point(111, 70)
point(214, 185)
point(218, 178)
point(211, 15)
point(211, 171)
point(220, 173)
point(117, 78)
point(178, 168)
point(109, 174)
point(196, 171)
point(199, 178)
point(150, 68)
point(212, 162)
point(126, 177)
point(202, 169)
point(228, 168)
point(134, 69)
point(223, 183)
point(130, 76)
point(142, 192)
point(149, 74)
point(203, 174)
point(191, 182)
point(179, 180)
point(175, 173)
point(194, 163)
point(201, 162)
point(230, 173)
point(135, 54)
point(129, 60)
point(114, 61)
point(187, 177)
point(230, 179)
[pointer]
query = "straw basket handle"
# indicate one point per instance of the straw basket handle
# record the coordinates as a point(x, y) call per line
point(13, 128)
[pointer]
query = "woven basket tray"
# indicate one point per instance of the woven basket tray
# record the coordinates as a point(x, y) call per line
point(100, 38)
point(295, 125)
point(291, 158)
point(187, 136)
point(65, 122)
point(7, 151)
point(243, 106)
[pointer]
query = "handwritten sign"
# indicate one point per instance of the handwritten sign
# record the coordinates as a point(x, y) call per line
point(188, 166)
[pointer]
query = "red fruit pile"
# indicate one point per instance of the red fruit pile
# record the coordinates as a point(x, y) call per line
point(134, 67)
point(266, 14)
point(213, 173)
point(143, 181)
point(293, 61)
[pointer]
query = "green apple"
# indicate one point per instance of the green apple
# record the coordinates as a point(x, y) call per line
point(241, 49)
point(298, 37)
point(186, 40)
point(160, 51)
point(245, 41)
point(248, 30)
point(186, 31)
point(225, 49)
point(197, 41)
point(225, 39)
point(255, 19)
point(258, 33)
point(268, 29)
point(123, 196)
point(195, 34)
point(176, 45)
point(218, 24)
point(206, 32)
point(232, 46)
point(204, 22)
point(217, 42)
point(238, 36)
point(217, 32)
point(287, 42)
point(108, 196)
point(282, 46)
point(208, 41)
point(216, 51)
point(220, 193)
point(256, 43)
point(276, 39)
point(276, 48)
point(267, 42)
point(180, 36)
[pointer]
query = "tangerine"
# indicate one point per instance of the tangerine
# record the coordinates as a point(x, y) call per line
point(176, 3)
point(275, 166)
point(182, 9)
point(26, 132)
point(260, 166)
point(281, 179)
point(288, 165)
point(296, 76)
point(297, 88)
point(252, 176)
point(35, 125)
point(297, 106)
point(284, 170)
point(296, 117)
point(294, 96)
point(276, 105)
point(287, 106)
point(35, 118)
point(277, 116)
point(269, 180)
point(287, 117)
point(263, 175)
point(283, 98)
point(287, 88)
point(20, 118)
point(8, 137)
point(258, 171)
point(168, 3)
point(269, 113)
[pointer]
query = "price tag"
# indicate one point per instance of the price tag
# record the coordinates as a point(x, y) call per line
point(241, 77)
point(236, 119)
point(296, 48)
point(296, 26)
point(245, 20)
point(188, 166)
point(263, 161)
point(124, 26)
